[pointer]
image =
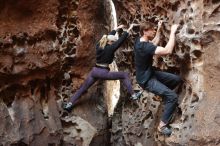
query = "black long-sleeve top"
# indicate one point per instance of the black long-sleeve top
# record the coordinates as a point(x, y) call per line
point(106, 55)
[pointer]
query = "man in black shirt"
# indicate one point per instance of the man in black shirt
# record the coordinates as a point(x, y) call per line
point(157, 82)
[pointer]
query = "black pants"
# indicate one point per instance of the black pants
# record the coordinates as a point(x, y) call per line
point(162, 83)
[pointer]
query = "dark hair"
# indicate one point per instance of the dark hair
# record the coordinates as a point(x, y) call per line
point(146, 26)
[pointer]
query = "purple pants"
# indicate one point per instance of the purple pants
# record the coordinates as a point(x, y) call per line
point(103, 74)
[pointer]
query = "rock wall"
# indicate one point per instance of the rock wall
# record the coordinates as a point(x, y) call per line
point(195, 58)
point(47, 49)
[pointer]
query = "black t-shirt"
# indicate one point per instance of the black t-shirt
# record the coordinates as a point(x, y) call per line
point(106, 55)
point(144, 52)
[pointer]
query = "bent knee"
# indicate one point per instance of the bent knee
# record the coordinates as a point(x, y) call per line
point(178, 79)
point(171, 96)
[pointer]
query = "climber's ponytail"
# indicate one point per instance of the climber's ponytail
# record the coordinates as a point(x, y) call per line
point(103, 41)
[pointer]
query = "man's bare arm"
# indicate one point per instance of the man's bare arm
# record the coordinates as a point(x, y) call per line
point(156, 39)
point(168, 49)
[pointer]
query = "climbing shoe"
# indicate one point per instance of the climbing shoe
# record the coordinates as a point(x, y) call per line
point(136, 95)
point(165, 130)
point(68, 106)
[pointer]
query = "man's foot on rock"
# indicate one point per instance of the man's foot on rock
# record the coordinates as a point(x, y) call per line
point(165, 130)
point(136, 95)
point(68, 106)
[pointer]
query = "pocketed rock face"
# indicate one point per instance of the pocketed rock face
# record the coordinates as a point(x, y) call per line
point(46, 51)
point(195, 58)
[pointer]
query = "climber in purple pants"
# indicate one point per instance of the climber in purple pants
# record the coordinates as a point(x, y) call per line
point(105, 50)
point(104, 74)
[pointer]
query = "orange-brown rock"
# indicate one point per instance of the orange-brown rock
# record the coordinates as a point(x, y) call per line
point(47, 48)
